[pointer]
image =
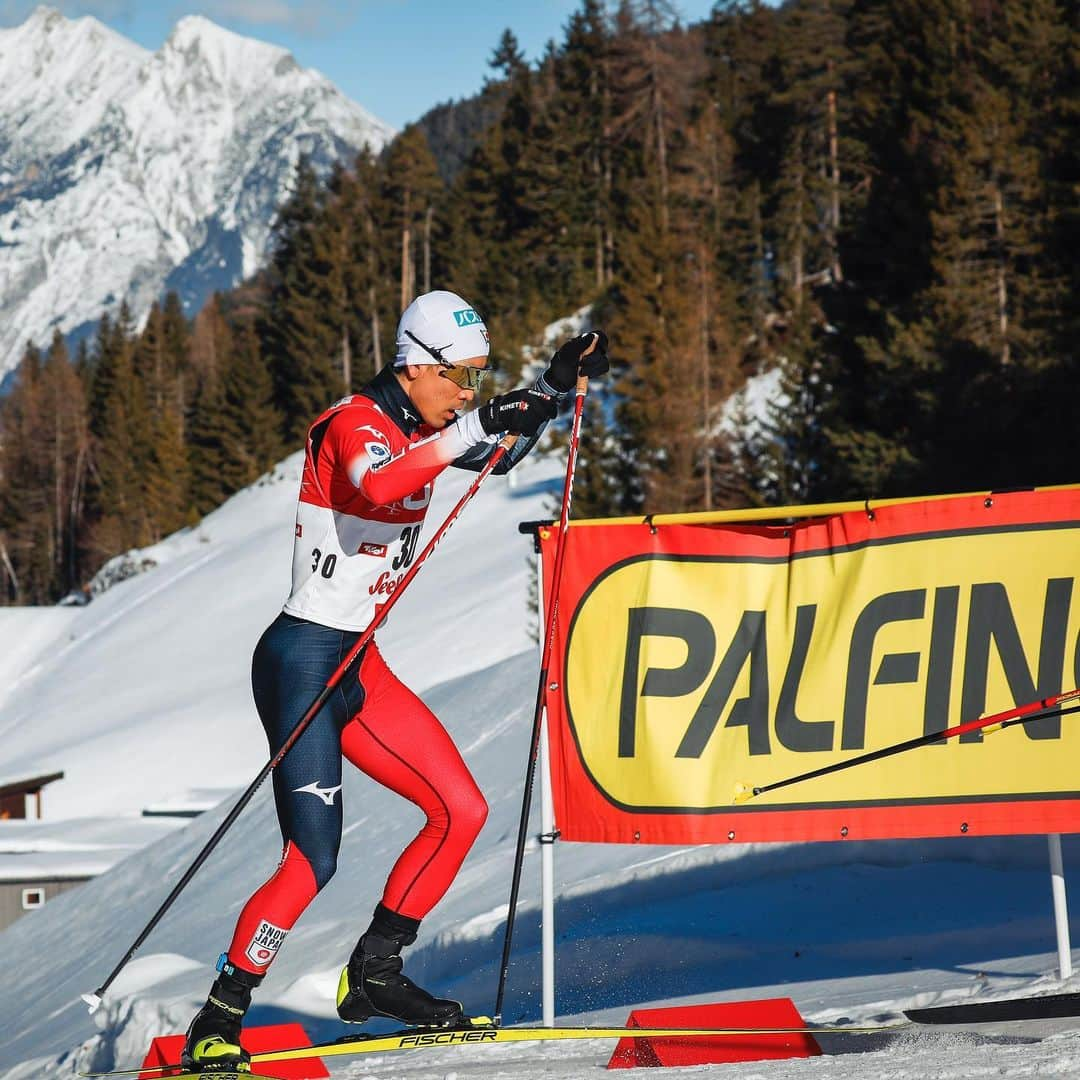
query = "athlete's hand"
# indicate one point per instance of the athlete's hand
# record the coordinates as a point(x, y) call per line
point(583, 355)
point(521, 412)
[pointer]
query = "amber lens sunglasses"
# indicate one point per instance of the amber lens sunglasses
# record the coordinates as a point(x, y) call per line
point(464, 375)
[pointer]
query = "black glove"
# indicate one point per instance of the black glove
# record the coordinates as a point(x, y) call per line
point(521, 412)
point(570, 361)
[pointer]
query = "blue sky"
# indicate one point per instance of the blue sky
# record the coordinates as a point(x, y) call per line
point(397, 58)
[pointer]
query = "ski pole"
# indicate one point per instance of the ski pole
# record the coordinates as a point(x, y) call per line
point(541, 688)
point(1022, 714)
point(94, 1000)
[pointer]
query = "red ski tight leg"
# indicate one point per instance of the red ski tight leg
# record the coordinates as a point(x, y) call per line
point(271, 912)
point(398, 741)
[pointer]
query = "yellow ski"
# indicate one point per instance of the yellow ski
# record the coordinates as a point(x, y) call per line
point(484, 1033)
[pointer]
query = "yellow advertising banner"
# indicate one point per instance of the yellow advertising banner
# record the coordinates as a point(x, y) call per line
point(694, 658)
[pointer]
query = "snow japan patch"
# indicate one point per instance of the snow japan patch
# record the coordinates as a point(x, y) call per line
point(264, 944)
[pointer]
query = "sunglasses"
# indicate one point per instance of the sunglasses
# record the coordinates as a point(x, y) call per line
point(464, 375)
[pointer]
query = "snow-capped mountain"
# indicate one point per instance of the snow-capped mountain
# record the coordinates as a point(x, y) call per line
point(125, 173)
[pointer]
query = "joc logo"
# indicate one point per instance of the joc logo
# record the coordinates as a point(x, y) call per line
point(467, 317)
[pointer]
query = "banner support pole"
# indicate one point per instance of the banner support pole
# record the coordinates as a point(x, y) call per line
point(548, 833)
point(548, 836)
point(1061, 908)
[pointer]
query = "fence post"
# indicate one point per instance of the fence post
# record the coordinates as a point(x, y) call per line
point(1061, 908)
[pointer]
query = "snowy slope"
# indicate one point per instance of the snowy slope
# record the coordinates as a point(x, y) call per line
point(851, 932)
point(124, 173)
point(155, 671)
point(25, 635)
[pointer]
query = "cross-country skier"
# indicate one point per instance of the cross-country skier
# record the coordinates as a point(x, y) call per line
point(368, 472)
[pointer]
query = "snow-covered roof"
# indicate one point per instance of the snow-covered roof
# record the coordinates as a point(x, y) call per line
point(73, 850)
point(189, 803)
point(10, 785)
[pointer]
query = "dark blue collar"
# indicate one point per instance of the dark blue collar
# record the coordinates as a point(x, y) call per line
point(386, 392)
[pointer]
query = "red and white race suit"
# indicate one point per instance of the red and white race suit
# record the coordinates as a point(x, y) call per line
point(365, 491)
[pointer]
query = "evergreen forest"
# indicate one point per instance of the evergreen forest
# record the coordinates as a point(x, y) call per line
point(878, 201)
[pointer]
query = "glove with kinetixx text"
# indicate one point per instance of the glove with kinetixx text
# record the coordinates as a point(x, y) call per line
point(583, 355)
point(520, 412)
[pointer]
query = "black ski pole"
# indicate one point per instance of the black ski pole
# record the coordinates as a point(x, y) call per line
point(1022, 714)
point(541, 692)
point(94, 1000)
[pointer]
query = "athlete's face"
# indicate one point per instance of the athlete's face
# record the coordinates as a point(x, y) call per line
point(437, 399)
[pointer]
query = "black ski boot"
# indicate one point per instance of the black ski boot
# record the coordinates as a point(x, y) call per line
point(372, 983)
point(213, 1039)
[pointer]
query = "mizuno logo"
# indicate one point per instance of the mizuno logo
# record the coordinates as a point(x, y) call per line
point(326, 794)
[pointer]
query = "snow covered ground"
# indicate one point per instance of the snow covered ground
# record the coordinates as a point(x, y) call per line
point(145, 692)
point(142, 696)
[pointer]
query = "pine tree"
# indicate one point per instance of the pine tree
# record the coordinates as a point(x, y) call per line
point(43, 461)
point(1052, 52)
point(413, 193)
point(164, 482)
point(655, 297)
point(249, 421)
point(122, 450)
point(176, 345)
point(580, 120)
point(372, 280)
point(817, 67)
point(475, 256)
point(165, 495)
point(27, 543)
point(510, 151)
point(605, 481)
point(211, 356)
point(100, 374)
point(69, 438)
point(208, 447)
point(300, 341)
point(950, 341)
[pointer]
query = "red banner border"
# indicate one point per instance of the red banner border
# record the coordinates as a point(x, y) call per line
point(996, 815)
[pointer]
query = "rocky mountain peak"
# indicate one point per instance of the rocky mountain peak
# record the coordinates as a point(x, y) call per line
point(57, 76)
point(225, 57)
point(47, 32)
point(125, 173)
